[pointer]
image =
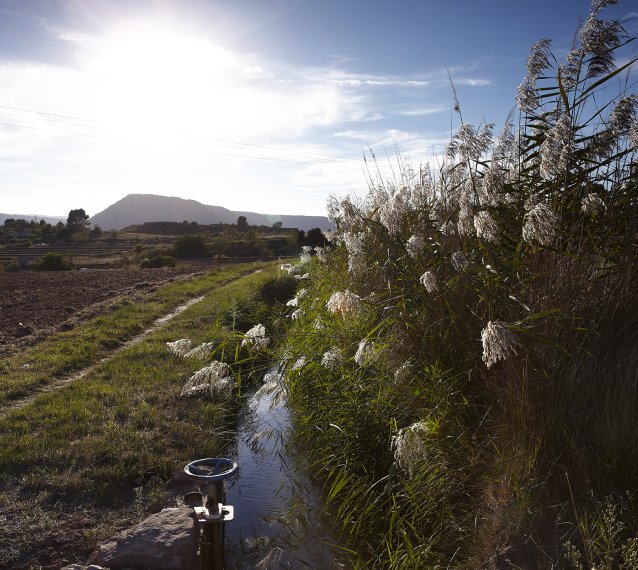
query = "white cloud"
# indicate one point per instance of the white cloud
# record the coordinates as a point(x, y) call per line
point(349, 79)
point(422, 111)
point(147, 109)
point(471, 82)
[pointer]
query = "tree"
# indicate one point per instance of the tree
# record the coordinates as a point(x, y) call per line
point(190, 246)
point(315, 237)
point(251, 237)
point(277, 225)
point(242, 224)
point(77, 220)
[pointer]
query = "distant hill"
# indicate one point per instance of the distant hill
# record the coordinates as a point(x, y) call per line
point(28, 217)
point(140, 208)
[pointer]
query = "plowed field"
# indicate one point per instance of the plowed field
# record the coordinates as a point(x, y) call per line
point(33, 303)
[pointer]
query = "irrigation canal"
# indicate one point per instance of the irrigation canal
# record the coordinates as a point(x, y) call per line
point(278, 520)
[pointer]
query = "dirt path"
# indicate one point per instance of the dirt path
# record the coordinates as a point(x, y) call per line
point(158, 323)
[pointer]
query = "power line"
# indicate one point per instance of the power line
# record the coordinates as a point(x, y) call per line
point(49, 114)
point(248, 156)
point(211, 139)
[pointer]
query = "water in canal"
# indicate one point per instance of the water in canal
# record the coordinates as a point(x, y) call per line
point(278, 522)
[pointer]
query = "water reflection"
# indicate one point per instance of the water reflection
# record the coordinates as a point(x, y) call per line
point(277, 507)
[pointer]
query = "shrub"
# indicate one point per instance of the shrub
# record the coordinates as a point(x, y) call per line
point(158, 261)
point(278, 290)
point(190, 246)
point(54, 262)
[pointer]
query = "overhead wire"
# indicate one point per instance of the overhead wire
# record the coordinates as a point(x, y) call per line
point(50, 117)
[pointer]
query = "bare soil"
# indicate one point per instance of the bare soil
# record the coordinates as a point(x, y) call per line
point(35, 303)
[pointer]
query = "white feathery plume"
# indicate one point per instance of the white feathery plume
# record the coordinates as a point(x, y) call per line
point(415, 245)
point(486, 227)
point(598, 5)
point(599, 38)
point(539, 225)
point(180, 347)
point(429, 281)
point(469, 143)
point(592, 204)
point(459, 261)
point(355, 246)
point(408, 446)
point(201, 351)
point(300, 363)
point(271, 383)
point(332, 358)
point(320, 254)
point(304, 256)
point(465, 224)
point(392, 211)
point(343, 303)
point(526, 96)
point(256, 338)
point(365, 353)
point(498, 342)
point(556, 149)
point(492, 185)
point(214, 379)
point(537, 62)
point(623, 116)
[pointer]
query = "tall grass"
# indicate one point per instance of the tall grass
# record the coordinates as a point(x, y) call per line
point(491, 409)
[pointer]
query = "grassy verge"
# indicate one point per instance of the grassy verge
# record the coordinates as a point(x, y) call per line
point(71, 351)
point(88, 459)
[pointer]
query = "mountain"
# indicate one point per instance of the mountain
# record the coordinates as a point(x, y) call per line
point(28, 217)
point(140, 208)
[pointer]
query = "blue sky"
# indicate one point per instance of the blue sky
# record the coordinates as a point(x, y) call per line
point(249, 104)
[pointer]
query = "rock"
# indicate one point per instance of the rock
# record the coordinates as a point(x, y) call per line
point(164, 541)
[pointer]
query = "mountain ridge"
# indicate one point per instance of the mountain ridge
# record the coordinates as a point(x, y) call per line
point(140, 208)
point(28, 217)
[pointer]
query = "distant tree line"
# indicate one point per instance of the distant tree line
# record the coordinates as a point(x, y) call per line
point(226, 240)
point(23, 232)
point(188, 228)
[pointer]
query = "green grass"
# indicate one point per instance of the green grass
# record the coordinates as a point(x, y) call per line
point(79, 448)
point(71, 351)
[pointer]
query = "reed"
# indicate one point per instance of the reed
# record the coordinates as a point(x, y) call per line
point(463, 368)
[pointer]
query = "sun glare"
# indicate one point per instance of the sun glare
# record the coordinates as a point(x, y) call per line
point(154, 84)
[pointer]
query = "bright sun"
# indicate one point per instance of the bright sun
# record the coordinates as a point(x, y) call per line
point(154, 84)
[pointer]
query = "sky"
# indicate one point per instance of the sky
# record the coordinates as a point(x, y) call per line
point(254, 105)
